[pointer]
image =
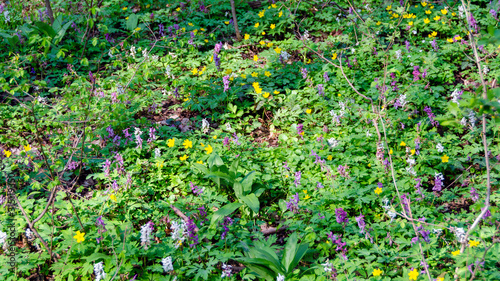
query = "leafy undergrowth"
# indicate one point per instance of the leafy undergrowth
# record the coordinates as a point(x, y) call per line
point(142, 141)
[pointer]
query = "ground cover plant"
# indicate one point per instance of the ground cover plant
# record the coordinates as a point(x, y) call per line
point(249, 140)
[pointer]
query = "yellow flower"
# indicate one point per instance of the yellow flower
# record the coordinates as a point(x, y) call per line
point(267, 73)
point(276, 92)
point(453, 14)
point(436, 18)
point(7, 153)
point(263, 33)
point(339, 95)
point(412, 151)
point(79, 236)
point(171, 142)
point(27, 147)
point(458, 38)
point(277, 50)
point(187, 144)
point(273, 5)
point(369, 165)
point(137, 29)
point(334, 57)
point(378, 190)
point(226, 22)
point(440, 279)
point(190, 24)
point(178, 9)
point(428, 12)
point(255, 58)
point(194, 71)
point(413, 274)
point(473, 243)
point(202, 145)
point(112, 197)
point(395, 15)
point(390, 151)
point(148, 5)
point(434, 34)
point(388, 8)
point(377, 272)
point(124, 8)
point(262, 43)
point(280, 14)
point(209, 149)
point(247, 36)
point(402, 143)
point(269, 45)
point(265, 95)
point(307, 197)
point(305, 191)
point(410, 23)
point(456, 253)
point(202, 29)
point(431, 7)
point(427, 20)
point(273, 26)
point(254, 74)
point(200, 162)
point(244, 76)
point(379, 22)
point(215, 137)
point(308, 111)
point(329, 158)
point(449, 40)
point(183, 158)
point(444, 11)
point(206, 41)
point(261, 13)
point(423, 3)
point(445, 158)
point(256, 25)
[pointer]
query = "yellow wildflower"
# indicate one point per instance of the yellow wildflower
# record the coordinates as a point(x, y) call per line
point(215, 137)
point(473, 243)
point(412, 151)
point(267, 73)
point(427, 20)
point(178, 9)
point(334, 57)
point(187, 144)
point(190, 24)
point(413, 274)
point(112, 197)
point(444, 11)
point(209, 149)
point(7, 153)
point(308, 111)
point(256, 25)
point(226, 22)
point(200, 162)
point(124, 8)
point(379, 22)
point(390, 151)
point(377, 272)
point(273, 5)
point(280, 14)
point(170, 142)
point(265, 95)
point(378, 190)
point(329, 158)
point(262, 43)
point(273, 26)
point(270, 44)
point(458, 38)
point(276, 92)
point(436, 18)
point(456, 253)
point(254, 74)
point(402, 143)
point(277, 50)
point(445, 158)
point(388, 8)
point(194, 71)
point(247, 36)
point(263, 33)
point(183, 158)
point(428, 12)
point(261, 13)
point(137, 29)
point(449, 40)
point(255, 58)
point(79, 236)
point(27, 147)
point(423, 3)
point(410, 23)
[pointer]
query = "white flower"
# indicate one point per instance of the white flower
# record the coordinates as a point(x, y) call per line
point(167, 264)
point(461, 11)
point(228, 127)
point(137, 132)
point(99, 271)
point(110, 54)
point(423, 41)
point(328, 266)
point(463, 122)
point(157, 152)
point(472, 118)
point(154, 58)
point(398, 54)
point(6, 15)
point(440, 147)
point(146, 231)
point(411, 63)
point(205, 125)
point(410, 161)
point(132, 51)
point(3, 237)
point(414, 32)
point(280, 277)
point(368, 134)
point(438, 176)
point(411, 171)
point(226, 270)
point(145, 53)
point(402, 100)
point(333, 142)
point(306, 35)
point(485, 70)
point(460, 233)
point(455, 96)
point(437, 231)
point(120, 89)
point(284, 55)
point(352, 50)
point(392, 215)
point(178, 232)
point(29, 234)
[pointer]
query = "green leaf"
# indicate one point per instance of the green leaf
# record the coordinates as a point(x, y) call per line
point(224, 212)
point(247, 182)
point(214, 159)
point(260, 269)
point(289, 253)
point(45, 28)
point(252, 202)
point(132, 22)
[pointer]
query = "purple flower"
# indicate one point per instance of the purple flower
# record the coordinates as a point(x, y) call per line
point(191, 231)
point(435, 46)
point(106, 167)
point(225, 79)
point(418, 189)
point(217, 48)
point(304, 72)
point(487, 214)
point(438, 182)
point(293, 204)
point(225, 142)
point(341, 216)
point(325, 76)
point(285, 165)
point(225, 225)
point(152, 135)
point(195, 189)
point(343, 171)
point(416, 73)
point(101, 228)
point(473, 23)
point(321, 90)
point(494, 14)
point(298, 175)
point(108, 38)
point(236, 139)
point(361, 222)
point(407, 44)
point(72, 165)
point(217, 61)
point(319, 185)
point(473, 194)
point(203, 215)
point(161, 30)
point(431, 115)
point(92, 79)
point(299, 130)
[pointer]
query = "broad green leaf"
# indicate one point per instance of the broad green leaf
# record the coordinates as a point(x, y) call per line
point(224, 212)
point(252, 202)
point(132, 22)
